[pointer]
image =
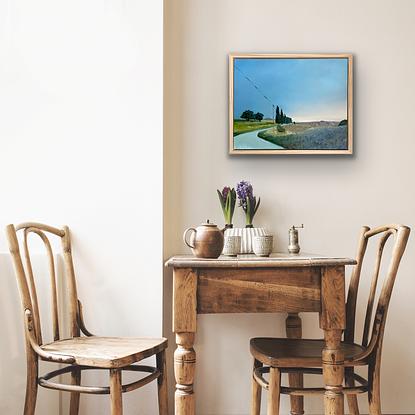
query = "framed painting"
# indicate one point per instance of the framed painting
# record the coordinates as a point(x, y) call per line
point(290, 104)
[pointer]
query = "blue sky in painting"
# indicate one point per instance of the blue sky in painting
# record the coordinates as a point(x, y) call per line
point(306, 89)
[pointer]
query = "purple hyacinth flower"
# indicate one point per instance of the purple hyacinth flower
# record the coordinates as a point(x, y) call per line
point(244, 190)
point(225, 192)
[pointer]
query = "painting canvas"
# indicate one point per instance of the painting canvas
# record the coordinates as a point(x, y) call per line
point(290, 104)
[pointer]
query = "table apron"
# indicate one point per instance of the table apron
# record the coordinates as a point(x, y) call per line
point(258, 290)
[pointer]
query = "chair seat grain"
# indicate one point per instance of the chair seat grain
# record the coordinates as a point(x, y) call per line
point(107, 352)
point(283, 352)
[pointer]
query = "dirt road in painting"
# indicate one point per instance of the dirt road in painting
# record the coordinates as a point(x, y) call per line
point(251, 141)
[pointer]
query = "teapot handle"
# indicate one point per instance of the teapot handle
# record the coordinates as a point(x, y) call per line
point(185, 236)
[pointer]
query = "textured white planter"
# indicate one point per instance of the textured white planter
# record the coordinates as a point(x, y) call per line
point(247, 235)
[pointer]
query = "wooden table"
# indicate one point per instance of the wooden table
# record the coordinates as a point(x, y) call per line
point(249, 284)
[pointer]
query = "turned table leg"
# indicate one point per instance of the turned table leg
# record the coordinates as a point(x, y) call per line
point(333, 373)
point(332, 321)
point(184, 372)
point(294, 331)
point(184, 326)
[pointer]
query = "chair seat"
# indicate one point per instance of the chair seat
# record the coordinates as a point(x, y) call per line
point(284, 352)
point(107, 352)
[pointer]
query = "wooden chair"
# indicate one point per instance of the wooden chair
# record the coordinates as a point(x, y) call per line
point(81, 353)
point(305, 356)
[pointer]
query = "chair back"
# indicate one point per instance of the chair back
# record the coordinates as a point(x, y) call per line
point(26, 280)
point(374, 326)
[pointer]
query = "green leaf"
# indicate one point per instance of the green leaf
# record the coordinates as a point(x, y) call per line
point(233, 203)
point(221, 199)
point(228, 201)
point(257, 205)
point(248, 215)
point(226, 208)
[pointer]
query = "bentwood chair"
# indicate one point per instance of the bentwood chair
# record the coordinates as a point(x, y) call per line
point(116, 354)
point(279, 355)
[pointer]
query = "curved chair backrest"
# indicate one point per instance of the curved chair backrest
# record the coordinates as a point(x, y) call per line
point(373, 329)
point(26, 280)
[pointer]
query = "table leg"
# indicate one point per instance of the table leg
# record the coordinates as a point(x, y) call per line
point(332, 321)
point(184, 326)
point(333, 373)
point(184, 372)
point(294, 331)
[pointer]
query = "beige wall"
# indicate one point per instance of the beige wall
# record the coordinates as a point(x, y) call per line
point(332, 196)
point(80, 91)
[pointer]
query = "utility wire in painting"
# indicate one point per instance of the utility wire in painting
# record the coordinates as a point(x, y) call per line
point(257, 88)
point(277, 114)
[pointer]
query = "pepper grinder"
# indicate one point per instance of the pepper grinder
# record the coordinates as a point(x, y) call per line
point(293, 245)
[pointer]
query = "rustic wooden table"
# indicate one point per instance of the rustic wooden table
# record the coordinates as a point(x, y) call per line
point(249, 284)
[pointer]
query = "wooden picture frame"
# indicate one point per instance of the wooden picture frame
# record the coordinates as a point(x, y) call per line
point(322, 83)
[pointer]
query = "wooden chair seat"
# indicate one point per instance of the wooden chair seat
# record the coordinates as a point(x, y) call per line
point(107, 352)
point(285, 352)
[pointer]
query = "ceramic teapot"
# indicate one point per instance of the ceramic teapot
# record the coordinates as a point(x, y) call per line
point(206, 241)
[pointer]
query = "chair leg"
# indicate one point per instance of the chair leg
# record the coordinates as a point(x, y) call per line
point(116, 391)
point(256, 392)
point(351, 399)
point(293, 328)
point(274, 391)
point(31, 384)
point(374, 389)
point(75, 396)
point(162, 383)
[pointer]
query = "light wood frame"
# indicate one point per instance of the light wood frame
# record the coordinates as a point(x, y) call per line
point(348, 56)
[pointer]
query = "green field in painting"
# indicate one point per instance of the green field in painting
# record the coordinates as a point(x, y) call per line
point(241, 126)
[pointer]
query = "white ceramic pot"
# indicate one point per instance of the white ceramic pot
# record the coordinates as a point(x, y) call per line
point(247, 235)
point(232, 246)
point(263, 245)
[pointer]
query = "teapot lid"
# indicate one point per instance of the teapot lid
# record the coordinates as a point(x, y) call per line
point(207, 223)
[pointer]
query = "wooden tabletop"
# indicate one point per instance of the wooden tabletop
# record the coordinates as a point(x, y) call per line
point(277, 259)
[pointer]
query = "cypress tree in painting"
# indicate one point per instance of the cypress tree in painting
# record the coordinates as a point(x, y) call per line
point(277, 115)
point(281, 118)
